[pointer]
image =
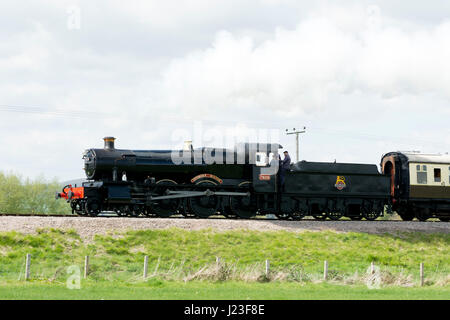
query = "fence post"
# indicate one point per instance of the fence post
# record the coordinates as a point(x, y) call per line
point(267, 268)
point(217, 261)
point(145, 266)
point(86, 266)
point(27, 267)
point(325, 270)
point(372, 267)
point(421, 274)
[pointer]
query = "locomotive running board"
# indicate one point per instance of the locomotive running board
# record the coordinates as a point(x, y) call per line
point(190, 194)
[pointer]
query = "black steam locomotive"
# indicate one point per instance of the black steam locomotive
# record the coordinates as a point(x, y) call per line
point(240, 182)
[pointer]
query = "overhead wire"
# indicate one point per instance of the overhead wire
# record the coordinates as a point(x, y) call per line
point(70, 113)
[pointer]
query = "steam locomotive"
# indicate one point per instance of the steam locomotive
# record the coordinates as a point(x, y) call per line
point(243, 182)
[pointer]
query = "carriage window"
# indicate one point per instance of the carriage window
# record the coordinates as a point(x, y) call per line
point(421, 174)
point(421, 177)
point(437, 175)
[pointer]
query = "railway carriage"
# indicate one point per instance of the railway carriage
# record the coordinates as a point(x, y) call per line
point(420, 184)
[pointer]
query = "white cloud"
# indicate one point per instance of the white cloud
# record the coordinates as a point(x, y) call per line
point(297, 70)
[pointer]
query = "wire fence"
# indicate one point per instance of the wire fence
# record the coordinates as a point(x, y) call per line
point(89, 267)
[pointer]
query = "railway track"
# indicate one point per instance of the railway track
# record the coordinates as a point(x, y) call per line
point(181, 217)
point(89, 227)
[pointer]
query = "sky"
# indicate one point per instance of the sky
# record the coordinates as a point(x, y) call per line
point(364, 78)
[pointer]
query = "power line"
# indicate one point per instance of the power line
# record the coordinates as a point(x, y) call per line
point(70, 113)
point(354, 134)
point(359, 135)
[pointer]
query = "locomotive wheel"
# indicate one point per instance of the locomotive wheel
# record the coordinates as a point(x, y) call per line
point(287, 207)
point(316, 212)
point(369, 211)
point(228, 213)
point(225, 207)
point(406, 215)
point(371, 215)
point(319, 217)
point(184, 210)
point(422, 214)
point(92, 207)
point(332, 211)
point(148, 212)
point(298, 215)
point(204, 206)
point(335, 215)
point(165, 208)
point(283, 215)
point(77, 207)
point(136, 210)
point(243, 206)
point(121, 211)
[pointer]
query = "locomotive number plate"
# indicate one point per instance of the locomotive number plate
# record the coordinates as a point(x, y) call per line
point(264, 177)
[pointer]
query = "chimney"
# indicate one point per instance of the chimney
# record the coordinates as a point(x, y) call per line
point(109, 143)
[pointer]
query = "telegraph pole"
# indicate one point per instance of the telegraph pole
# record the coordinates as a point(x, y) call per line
point(296, 132)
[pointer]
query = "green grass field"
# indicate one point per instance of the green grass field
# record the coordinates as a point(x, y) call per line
point(218, 291)
point(182, 265)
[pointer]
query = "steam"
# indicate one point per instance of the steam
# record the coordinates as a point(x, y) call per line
point(297, 70)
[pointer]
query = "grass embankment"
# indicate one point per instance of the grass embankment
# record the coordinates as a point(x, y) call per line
point(182, 264)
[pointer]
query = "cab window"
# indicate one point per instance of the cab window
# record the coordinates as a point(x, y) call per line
point(261, 159)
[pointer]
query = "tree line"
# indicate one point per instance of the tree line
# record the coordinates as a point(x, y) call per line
point(26, 196)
